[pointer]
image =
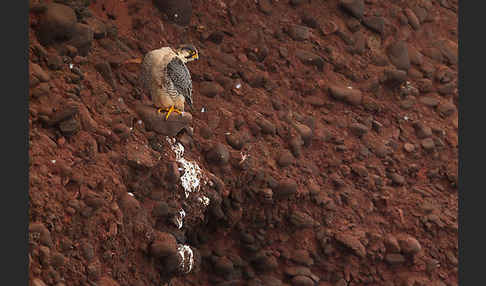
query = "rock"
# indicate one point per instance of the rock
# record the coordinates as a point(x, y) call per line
point(446, 109)
point(394, 258)
point(302, 281)
point(265, 6)
point(104, 69)
point(57, 24)
point(397, 179)
point(415, 56)
point(106, 281)
point(349, 95)
point(375, 23)
point(285, 158)
point(43, 89)
point(218, 154)
point(54, 61)
point(82, 38)
point(301, 220)
point(57, 259)
point(449, 50)
point(37, 230)
point(69, 127)
point(223, 266)
point(295, 145)
point(210, 88)
point(285, 188)
point(236, 140)
point(433, 53)
point(99, 28)
point(430, 100)
point(164, 245)
point(358, 129)
point(268, 281)
point(304, 131)
point(156, 121)
point(38, 282)
point(296, 3)
point(412, 18)
point(302, 256)
point(87, 250)
point(298, 270)
point(38, 72)
point(408, 147)
point(178, 11)
point(428, 144)
point(409, 244)
point(309, 58)
point(352, 242)
point(391, 244)
point(310, 21)
point(161, 209)
point(264, 261)
point(395, 76)
point(353, 7)
point(266, 126)
point(420, 13)
point(422, 130)
point(398, 54)
point(298, 32)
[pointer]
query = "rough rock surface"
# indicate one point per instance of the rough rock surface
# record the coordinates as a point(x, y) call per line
point(321, 155)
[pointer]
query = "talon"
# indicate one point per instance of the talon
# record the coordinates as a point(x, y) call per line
point(170, 110)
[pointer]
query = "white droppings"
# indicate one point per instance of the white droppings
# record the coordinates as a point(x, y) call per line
point(71, 66)
point(190, 180)
point(238, 85)
point(139, 122)
point(53, 161)
point(180, 219)
point(204, 200)
point(405, 118)
point(131, 194)
point(176, 16)
point(350, 87)
point(227, 133)
point(187, 256)
point(203, 109)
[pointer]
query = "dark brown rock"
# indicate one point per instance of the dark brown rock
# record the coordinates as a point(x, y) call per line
point(394, 258)
point(446, 109)
point(223, 266)
point(82, 38)
point(218, 154)
point(285, 158)
point(398, 54)
point(375, 23)
point(178, 11)
point(266, 126)
point(301, 280)
point(352, 242)
point(301, 220)
point(412, 18)
point(54, 61)
point(409, 244)
point(164, 245)
point(422, 130)
point(298, 32)
point(37, 230)
point(353, 7)
point(57, 24)
point(428, 144)
point(156, 121)
point(309, 58)
point(236, 140)
point(70, 126)
point(358, 129)
point(349, 95)
point(285, 188)
point(104, 69)
point(210, 88)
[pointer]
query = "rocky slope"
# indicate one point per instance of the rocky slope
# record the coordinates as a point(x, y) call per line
point(323, 148)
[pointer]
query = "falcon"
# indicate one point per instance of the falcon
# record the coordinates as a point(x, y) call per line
point(165, 76)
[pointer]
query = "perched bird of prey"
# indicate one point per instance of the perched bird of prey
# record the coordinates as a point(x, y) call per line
point(166, 77)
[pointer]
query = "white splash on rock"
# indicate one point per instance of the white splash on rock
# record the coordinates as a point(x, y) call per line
point(204, 200)
point(180, 219)
point(191, 179)
point(187, 256)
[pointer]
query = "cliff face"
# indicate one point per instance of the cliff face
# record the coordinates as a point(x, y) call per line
point(323, 147)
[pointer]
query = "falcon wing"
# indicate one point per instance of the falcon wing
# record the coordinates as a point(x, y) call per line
point(179, 74)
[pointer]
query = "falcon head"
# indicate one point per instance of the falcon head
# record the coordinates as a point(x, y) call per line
point(187, 53)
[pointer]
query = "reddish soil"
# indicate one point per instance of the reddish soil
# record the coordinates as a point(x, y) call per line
point(363, 192)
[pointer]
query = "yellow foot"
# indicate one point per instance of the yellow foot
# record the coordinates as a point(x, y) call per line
point(133, 61)
point(169, 111)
